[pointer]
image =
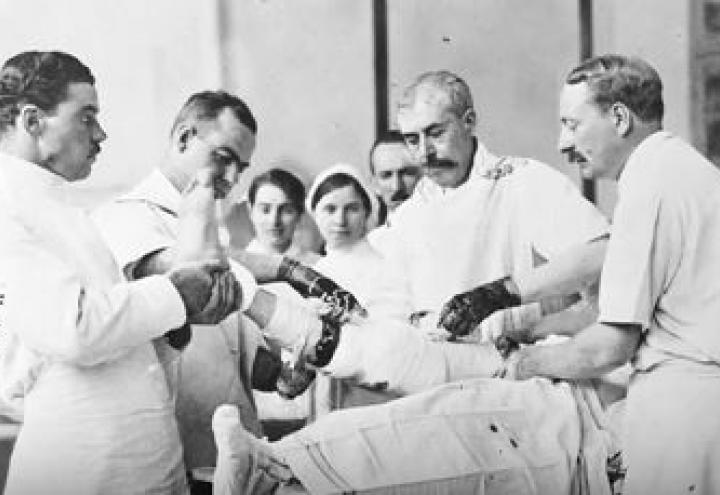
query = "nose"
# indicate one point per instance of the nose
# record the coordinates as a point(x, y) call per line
point(275, 216)
point(340, 217)
point(564, 143)
point(397, 183)
point(99, 134)
point(231, 174)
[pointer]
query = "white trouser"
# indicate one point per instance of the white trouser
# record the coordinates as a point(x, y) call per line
point(477, 436)
point(672, 442)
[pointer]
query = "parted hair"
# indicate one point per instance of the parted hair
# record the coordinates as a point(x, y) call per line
point(40, 78)
point(283, 180)
point(628, 80)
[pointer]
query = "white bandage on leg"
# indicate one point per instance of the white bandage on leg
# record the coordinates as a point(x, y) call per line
point(247, 283)
point(291, 323)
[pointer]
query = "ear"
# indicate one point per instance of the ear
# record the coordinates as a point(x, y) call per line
point(32, 119)
point(622, 118)
point(183, 135)
point(470, 118)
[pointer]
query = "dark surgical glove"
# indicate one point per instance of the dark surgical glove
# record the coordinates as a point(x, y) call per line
point(266, 370)
point(463, 312)
point(310, 283)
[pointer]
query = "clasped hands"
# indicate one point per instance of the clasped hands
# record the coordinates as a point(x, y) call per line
point(208, 290)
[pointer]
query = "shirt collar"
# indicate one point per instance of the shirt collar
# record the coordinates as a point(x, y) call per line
point(158, 190)
point(25, 177)
point(633, 165)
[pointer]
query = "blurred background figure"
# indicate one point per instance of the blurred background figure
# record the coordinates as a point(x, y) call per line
point(276, 201)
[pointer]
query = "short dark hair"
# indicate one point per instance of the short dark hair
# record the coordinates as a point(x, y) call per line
point(391, 136)
point(338, 181)
point(628, 80)
point(207, 105)
point(40, 78)
point(283, 180)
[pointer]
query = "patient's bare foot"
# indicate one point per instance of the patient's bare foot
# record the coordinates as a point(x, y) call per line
point(245, 464)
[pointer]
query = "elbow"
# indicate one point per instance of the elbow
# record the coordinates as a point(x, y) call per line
point(621, 350)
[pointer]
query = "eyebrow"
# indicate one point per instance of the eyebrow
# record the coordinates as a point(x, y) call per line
point(90, 107)
point(232, 153)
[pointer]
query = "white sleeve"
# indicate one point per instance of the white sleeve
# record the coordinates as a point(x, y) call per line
point(553, 212)
point(59, 314)
point(639, 260)
point(132, 230)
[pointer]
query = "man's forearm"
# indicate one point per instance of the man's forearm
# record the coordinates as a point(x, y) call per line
point(590, 353)
point(564, 274)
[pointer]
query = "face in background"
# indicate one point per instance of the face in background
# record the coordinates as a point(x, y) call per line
point(274, 217)
point(440, 141)
point(591, 137)
point(341, 217)
point(69, 137)
point(217, 152)
point(394, 173)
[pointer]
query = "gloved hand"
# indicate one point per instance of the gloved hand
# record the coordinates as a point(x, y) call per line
point(463, 312)
point(309, 283)
point(266, 370)
point(180, 337)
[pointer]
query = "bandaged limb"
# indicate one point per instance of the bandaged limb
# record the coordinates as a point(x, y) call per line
point(476, 436)
point(398, 357)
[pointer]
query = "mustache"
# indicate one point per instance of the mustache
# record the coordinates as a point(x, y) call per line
point(399, 196)
point(574, 156)
point(445, 163)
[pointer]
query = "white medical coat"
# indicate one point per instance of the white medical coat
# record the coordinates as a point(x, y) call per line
point(76, 352)
point(510, 214)
point(216, 365)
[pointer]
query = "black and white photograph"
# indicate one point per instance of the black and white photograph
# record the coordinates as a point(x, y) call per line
point(400, 247)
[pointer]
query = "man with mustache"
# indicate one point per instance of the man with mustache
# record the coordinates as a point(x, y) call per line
point(477, 218)
point(76, 353)
point(660, 287)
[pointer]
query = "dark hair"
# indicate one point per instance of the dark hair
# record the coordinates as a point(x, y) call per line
point(207, 105)
point(338, 181)
point(283, 180)
point(628, 80)
point(391, 136)
point(40, 78)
